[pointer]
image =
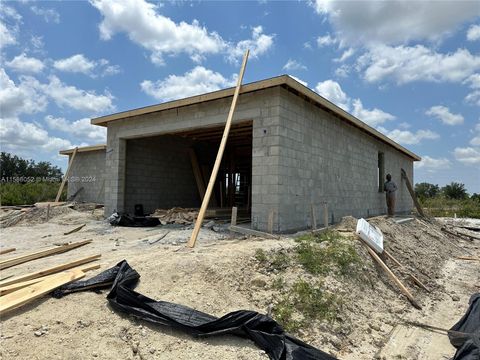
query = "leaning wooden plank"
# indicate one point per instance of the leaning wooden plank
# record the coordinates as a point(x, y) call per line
point(197, 173)
point(66, 175)
point(25, 295)
point(19, 285)
point(6, 251)
point(412, 193)
point(39, 254)
point(74, 230)
point(392, 276)
point(218, 160)
point(49, 271)
point(245, 231)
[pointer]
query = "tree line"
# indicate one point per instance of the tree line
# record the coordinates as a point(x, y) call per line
point(454, 191)
point(12, 167)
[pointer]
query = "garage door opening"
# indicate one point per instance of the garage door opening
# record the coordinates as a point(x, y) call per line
point(173, 170)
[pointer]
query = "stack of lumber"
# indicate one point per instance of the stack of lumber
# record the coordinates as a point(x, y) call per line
point(176, 215)
point(12, 217)
point(22, 289)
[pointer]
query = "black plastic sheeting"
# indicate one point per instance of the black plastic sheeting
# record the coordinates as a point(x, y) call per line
point(117, 219)
point(465, 335)
point(265, 332)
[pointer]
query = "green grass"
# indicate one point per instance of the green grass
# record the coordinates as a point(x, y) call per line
point(301, 302)
point(304, 303)
point(29, 193)
point(327, 252)
point(275, 260)
point(443, 207)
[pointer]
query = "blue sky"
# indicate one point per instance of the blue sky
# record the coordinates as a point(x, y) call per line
point(411, 69)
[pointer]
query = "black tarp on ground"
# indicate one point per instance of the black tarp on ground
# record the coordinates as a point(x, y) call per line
point(117, 219)
point(261, 329)
point(466, 332)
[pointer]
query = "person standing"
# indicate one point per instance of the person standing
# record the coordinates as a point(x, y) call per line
point(390, 189)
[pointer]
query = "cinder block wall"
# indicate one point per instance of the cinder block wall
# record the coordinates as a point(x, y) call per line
point(301, 155)
point(323, 159)
point(159, 174)
point(260, 107)
point(88, 171)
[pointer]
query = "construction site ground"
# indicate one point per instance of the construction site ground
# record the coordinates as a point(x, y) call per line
point(221, 274)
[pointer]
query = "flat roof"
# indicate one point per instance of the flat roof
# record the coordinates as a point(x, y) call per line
point(284, 81)
point(84, 149)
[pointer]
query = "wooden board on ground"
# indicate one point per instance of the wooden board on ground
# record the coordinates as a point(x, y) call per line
point(25, 295)
point(74, 230)
point(51, 203)
point(6, 251)
point(39, 254)
point(48, 271)
point(392, 276)
point(245, 231)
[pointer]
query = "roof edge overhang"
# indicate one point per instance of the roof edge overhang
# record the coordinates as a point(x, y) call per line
point(282, 80)
point(83, 149)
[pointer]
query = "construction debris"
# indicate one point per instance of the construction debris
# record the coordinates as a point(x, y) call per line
point(176, 215)
point(39, 254)
point(6, 251)
point(265, 332)
point(74, 230)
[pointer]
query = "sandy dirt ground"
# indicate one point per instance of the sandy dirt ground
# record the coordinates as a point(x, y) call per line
point(221, 275)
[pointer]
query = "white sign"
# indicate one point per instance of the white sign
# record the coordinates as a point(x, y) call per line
point(371, 235)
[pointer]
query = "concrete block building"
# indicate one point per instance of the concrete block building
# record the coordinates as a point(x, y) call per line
point(289, 151)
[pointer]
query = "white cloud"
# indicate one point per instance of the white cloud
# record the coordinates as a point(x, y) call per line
point(49, 15)
point(474, 83)
point(293, 65)
point(9, 25)
point(444, 115)
point(199, 80)
point(468, 155)
point(30, 96)
point(475, 141)
point(326, 40)
point(24, 64)
point(473, 33)
point(78, 99)
point(332, 91)
point(81, 129)
point(159, 34)
point(77, 63)
point(259, 44)
point(20, 99)
point(394, 21)
point(428, 162)
point(372, 117)
point(473, 98)
point(145, 26)
point(346, 55)
point(408, 137)
point(80, 64)
point(25, 137)
point(405, 64)
point(7, 36)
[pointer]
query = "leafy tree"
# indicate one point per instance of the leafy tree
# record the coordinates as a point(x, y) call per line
point(426, 190)
point(475, 197)
point(455, 191)
point(14, 166)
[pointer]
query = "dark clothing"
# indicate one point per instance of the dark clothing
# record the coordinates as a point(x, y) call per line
point(390, 189)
